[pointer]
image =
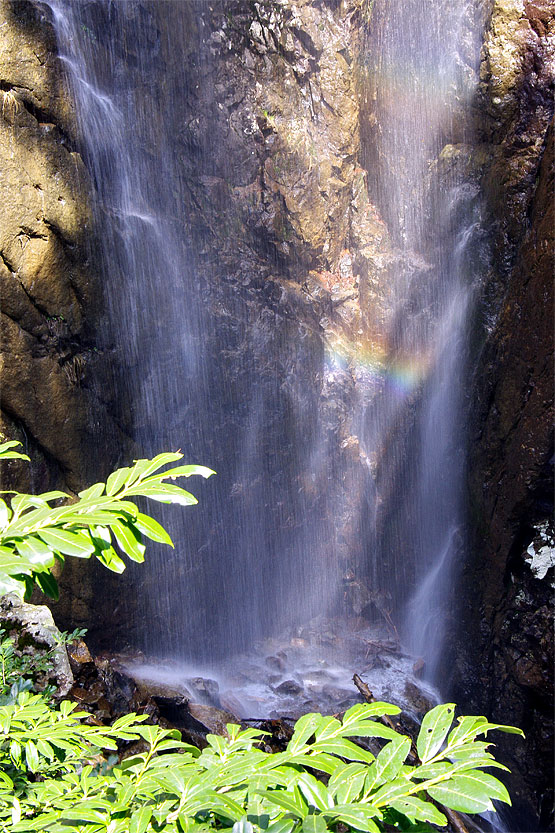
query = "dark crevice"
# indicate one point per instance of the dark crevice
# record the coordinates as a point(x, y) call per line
point(40, 114)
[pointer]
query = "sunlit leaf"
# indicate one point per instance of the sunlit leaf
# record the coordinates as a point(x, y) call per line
point(433, 731)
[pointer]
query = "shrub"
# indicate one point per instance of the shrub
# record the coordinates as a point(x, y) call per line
point(103, 522)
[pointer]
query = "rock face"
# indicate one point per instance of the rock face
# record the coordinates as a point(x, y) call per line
point(503, 657)
point(50, 294)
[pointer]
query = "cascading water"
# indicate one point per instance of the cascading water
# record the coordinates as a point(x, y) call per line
point(246, 566)
point(423, 74)
point(264, 550)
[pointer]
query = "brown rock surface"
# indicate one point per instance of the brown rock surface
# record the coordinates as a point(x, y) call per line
point(50, 295)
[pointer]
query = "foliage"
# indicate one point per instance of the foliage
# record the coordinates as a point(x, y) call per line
point(53, 780)
point(103, 521)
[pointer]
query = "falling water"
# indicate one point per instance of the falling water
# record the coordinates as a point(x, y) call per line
point(423, 75)
point(246, 565)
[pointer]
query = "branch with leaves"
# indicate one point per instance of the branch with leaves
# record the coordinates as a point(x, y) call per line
point(38, 531)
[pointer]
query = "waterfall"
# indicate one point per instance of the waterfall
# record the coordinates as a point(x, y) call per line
point(422, 65)
point(244, 564)
point(265, 549)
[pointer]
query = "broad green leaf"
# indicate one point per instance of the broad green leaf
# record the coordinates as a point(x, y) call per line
point(290, 801)
point(347, 782)
point(281, 826)
point(363, 711)
point(152, 529)
point(329, 727)
point(11, 584)
point(429, 771)
point(242, 826)
point(304, 729)
point(417, 810)
point(68, 543)
point(314, 824)
point(486, 782)
point(164, 493)
point(31, 756)
point(7, 454)
point(186, 471)
point(393, 789)
point(314, 791)
point(36, 552)
point(391, 758)
point(110, 559)
point(143, 468)
point(140, 819)
point(371, 729)
point(461, 794)
point(128, 541)
point(345, 749)
point(433, 731)
point(359, 816)
point(48, 585)
point(93, 491)
point(116, 480)
point(11, 564)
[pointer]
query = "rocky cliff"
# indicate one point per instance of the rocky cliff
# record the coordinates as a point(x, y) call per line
point(51, 295)
point(503, 655)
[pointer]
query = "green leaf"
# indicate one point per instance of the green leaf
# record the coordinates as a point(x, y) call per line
point(6, 454)
point(304, 729)
point(433, 731)
point(128, 541)
point(314, 791)
point(93, 491)
point(11, 584)
point(36, 552)
point(242, 826)
point(359, 816)
point(31, 756)
point(281, 826)
point(140, 819)
point(314, 824)
point(68, 543)
point(143, 468)
point(116, 480)
point(488, 784)
point(48, 585)
point(187, 471)
point(290, 801)
point(152, 529)
point(110, 559)
point(347, 782)
point(344, 748)
point(391, 758)
point(362, 711)
point(417, 810)
point(164, 493)
point(462, 794)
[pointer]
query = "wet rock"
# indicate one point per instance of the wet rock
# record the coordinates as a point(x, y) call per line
point(336, 694)
point(418, 701)
point(206, 689)
point(419, 667)
point(215, 720)
point(277, 663)
point(289, 687)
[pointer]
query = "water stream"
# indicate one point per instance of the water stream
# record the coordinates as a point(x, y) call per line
point(256, 564)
